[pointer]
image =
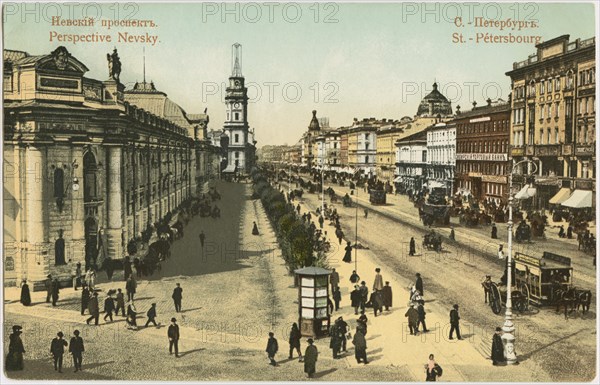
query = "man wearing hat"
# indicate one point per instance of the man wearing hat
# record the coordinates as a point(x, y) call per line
point(454, 322)
point(421, 312)
point(497, 347)
point(310, 358)
point(109, 307)
point(94, 309)
point(48, 286)
point(387, 295)
point(413, 319)
point(151, 314)
point(487, 286)
point(57, 348)
point(76, 349)
point(419, 284)
point(173, 334)
point(272, 348)
point(14, 358)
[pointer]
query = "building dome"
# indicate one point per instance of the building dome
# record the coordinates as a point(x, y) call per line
point(434, 104)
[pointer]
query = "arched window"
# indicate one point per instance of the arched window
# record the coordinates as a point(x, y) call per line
point(59, 187)
point(90, 188)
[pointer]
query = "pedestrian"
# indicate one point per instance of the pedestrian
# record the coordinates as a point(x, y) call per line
point(202, 237)
point(120, 303)
point(387, 296)
point(366, 213)
point(310, 358)
point(55, 291)
point(561, 231)
point(77, 276)
point(494, 231)
point(177, 296)
point(343, 329)
point(454, 322)
point(130, 287)
point(151, 314)
point(76, 349)
point(361, 322)
point(298, 208)
point(360, 346)
point(497, 348)
point(94, 309)
point(90, 278)
point(330, 305)
point(421, 313)
point(131, 316)
point(85, 298)
point(376, 301)
point(355, 298)
point(432, 369)
point(272, 348)
point(57, 349)
point(419, 284)
point(570, 232)
point(109, 308)
point(255, 229)
point(126, 268)
point(487, 287)
point(364, 295)
point(452, 235)
point(348, 254)
point(378, 283)
point(413, 319)
point(25, 294)
point(334, 279)
point(412, 247)
point(14, 358)
point(321, 220)
point(354, 278)
point(294, 341)
point(173, 334)
point(500, 252)
point(335, 341)
point(48, 285)
point(337, 297)
point(340, 235)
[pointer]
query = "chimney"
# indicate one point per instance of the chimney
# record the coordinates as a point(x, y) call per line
point(489, 102)
point(474, 104)
point(458, 109)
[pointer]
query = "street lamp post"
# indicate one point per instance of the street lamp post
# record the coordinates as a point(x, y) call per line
point(508, 328)
point(322, 190)
point(356, 231)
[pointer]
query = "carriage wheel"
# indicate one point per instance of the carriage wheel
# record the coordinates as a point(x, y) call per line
point(495, 300)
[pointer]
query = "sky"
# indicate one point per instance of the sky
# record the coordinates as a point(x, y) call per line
point(345, 60)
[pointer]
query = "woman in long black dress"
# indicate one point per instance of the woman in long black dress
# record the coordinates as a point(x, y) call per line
point(14, 359)
point(348, 255)
point(25, 294)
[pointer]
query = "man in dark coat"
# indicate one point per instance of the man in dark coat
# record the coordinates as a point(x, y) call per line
point(202, 238)
point(120, 303)
point(177, 296)
point(57, 348)
point(337, 297)
point(421, 312)
point(310, 358)
point(335, 342)
point(387, 295)
point(413, 319)
point(109, 268)
point(109, 308)
point(361, 323)
point(76, 349)
point(85, 298)
point(294, 341)
point(25, 294)
point(360, 346)
point(364, 295)
point(130, 287)
point(412, 248)
point(272, 348)
point(343, 329)
point(48, 286)
point(377, 302)
point(55, 291)
point(151, 314)
point(355, 299)
point(454, 322)
point(354, 278)
point(126, 268)
point(94, 309)
point(173, 334)
point(334, 280)
point(497, 348)
point(419, 284)
point(494, 231)
point(14, 358)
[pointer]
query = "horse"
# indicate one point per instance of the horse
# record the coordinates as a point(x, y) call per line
point(565, 297)
point(583, 299)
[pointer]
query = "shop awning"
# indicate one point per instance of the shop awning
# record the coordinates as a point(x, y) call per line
point(562, 195)
point(526, 192)
point(579, 199)
point(230, 169)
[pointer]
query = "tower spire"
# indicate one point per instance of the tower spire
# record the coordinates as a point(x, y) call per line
point(236, 56)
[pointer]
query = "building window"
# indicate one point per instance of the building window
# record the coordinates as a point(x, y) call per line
point(237, 154)
point(237, 116)
point(557, 110)
point(541, 136)
point(542, 87)
point(549, 136)
point(237, 138)
point(549, 85)
point(557, 84)
point(556, 136)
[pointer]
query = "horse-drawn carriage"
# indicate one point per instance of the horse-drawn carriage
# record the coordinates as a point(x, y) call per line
point(523, 232)
point(432, 241)
point(377, 197)
point(541, 281)
point(347, 201)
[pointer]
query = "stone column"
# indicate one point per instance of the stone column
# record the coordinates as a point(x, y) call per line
point(114, 203)
point(77, 207)
point(38, 265)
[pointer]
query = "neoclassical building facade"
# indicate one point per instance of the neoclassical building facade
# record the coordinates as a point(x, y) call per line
point(85, 170)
